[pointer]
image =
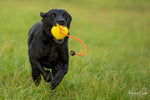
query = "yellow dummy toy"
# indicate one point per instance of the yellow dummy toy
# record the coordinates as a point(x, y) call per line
point(56, 31)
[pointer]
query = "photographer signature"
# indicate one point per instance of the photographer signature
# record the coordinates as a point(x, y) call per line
point(142, 92)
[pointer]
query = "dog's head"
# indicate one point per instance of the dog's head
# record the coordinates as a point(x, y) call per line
point(54, 16)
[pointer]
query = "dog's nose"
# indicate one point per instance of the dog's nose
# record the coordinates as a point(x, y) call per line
point(60, 21)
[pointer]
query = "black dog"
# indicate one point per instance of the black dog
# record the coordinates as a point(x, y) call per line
point(47, 52)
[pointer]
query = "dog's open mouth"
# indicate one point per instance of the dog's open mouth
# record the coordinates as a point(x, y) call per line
point(59, 41)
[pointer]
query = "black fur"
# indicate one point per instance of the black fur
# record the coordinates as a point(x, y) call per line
point(47, 52)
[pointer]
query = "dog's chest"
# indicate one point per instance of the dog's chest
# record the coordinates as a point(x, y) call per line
point(51, 53)
point(50, 56)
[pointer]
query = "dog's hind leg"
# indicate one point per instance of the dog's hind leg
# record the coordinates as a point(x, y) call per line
point(37, 69)
point(46, 73)
point(40, 70)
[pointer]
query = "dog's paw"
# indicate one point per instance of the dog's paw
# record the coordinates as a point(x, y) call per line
point(54, 84)
point(47, 76)
point(37, 81)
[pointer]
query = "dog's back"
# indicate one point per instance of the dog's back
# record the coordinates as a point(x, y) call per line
point(33, 31)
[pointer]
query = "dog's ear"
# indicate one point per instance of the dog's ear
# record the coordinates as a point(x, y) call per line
point(43, 14)
point(46, 20)
point(69, 19)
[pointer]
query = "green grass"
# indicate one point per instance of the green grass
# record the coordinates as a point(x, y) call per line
point(117, 63)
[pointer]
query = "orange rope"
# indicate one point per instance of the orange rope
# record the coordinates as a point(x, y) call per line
point(72, 52)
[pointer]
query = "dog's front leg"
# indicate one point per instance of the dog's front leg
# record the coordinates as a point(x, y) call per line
point(35, 72)
point(58, 72)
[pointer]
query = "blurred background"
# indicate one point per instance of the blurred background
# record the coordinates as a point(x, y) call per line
point(117, 63)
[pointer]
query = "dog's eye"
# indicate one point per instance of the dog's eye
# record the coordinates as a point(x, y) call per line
point(53, 15)
point(64, 15)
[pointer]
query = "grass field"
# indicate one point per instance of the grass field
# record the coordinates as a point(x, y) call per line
point(117, 63)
